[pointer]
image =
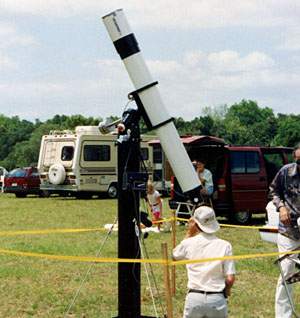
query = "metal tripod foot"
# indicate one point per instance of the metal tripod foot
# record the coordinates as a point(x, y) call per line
point(290, 279)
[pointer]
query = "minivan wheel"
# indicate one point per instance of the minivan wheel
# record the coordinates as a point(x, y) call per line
point(20, 195)
point(112, 191)
point(241, 217)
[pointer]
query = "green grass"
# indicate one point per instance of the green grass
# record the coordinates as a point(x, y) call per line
point(32, 287)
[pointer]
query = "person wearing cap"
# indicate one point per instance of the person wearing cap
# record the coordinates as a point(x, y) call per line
point(209, 283)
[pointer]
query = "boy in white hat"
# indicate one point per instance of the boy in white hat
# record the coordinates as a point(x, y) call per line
point(209, 283)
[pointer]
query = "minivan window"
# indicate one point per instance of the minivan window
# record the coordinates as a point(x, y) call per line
point(273, 161)
point(96, 153)
point(67, 153)
point(244, 162)
point(145, 153)
point(252, 162)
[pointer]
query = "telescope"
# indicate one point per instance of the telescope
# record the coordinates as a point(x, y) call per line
point(150, 103)
point(151, 108)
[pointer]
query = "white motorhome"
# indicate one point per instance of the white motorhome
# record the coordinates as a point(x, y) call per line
point(84, 162)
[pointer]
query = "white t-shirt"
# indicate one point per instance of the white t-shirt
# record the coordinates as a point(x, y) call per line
point(209, 276)
point(207, 176)
point(153, 198)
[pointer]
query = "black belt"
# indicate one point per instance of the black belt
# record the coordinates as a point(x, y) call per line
point(204, 292)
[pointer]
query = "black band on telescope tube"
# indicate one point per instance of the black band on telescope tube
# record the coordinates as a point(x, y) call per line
point(127, 46)
point(135, 95)
point(171, 119)
point(144, 88)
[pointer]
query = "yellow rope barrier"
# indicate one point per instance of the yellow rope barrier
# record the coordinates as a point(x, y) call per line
point(118, 260)
point(49, 231)
point(53, 231)
point(89, 259)
point(92, 259)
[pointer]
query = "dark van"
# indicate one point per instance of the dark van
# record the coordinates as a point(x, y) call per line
point(241, 175)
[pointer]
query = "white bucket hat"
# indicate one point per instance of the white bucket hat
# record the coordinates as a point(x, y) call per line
point(205, 217)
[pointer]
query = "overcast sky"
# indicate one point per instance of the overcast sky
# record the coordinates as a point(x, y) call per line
point(56, 56)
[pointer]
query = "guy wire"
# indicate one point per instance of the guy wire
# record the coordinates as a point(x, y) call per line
point(89, 270)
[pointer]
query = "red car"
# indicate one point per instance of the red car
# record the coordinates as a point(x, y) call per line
point(23, 181)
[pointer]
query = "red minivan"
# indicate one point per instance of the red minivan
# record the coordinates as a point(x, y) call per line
point(22, 181)
point(241, 175)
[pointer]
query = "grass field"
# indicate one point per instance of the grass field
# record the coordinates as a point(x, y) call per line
point(32, 287)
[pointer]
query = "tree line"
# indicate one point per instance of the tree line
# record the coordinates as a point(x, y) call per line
point(243, 123)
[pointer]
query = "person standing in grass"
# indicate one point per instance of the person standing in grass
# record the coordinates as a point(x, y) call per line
point(209, 283)
point(155, 203)
point(285, 192)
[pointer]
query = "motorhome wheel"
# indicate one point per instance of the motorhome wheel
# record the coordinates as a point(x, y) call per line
point(44, 194)
point(57, 174)
point(112, 191)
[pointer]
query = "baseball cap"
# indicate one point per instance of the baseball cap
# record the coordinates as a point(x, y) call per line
point(205, 217)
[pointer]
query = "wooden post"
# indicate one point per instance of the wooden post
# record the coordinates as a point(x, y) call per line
point(173, 269)
point(164, 249)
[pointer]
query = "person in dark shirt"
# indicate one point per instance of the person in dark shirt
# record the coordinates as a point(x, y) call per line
point(285, 193)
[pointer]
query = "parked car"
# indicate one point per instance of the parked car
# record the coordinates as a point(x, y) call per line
point(23, 181)
point(241, 175)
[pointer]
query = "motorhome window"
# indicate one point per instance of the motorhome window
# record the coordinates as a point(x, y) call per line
point(96, 153)
point(157, 175)
point(157, 154)
point(67, 153)
point(145, 153)
point(244, 162)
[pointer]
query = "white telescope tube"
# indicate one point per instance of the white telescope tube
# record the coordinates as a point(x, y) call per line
point(127, 47)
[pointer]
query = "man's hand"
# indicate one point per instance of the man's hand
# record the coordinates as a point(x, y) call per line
point(202, 180)
point(227, 291)
point(284, 215)
point(229, 280)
